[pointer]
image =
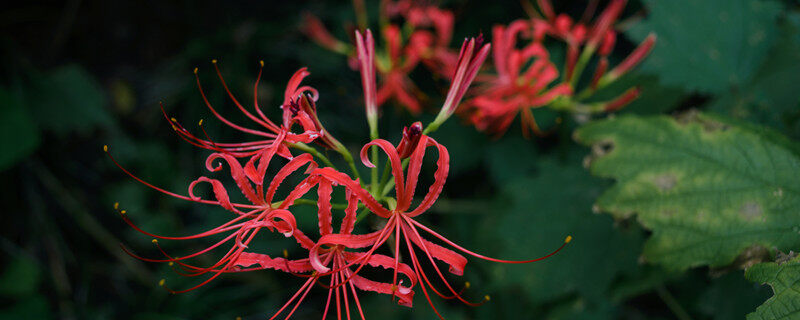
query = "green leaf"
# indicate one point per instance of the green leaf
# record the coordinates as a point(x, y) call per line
point(784, 278)
point(544, 208)
point(707, 45)
point(69, 99)
point(20, 278)
point(707, 189)
point(770, 97)
point(19, 136)
point(731, 297)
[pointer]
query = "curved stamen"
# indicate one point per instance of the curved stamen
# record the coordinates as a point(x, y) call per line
point(169, 193)
point(440, 237)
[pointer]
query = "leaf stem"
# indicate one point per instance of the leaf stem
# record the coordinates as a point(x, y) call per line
point(672, 303)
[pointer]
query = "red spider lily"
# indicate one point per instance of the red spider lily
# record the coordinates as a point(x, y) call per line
point(430, 33)
point(263, 212)
point(340, 259)
point(400, 218)
point(298, 108)
point(599, 36)
point(522, 81)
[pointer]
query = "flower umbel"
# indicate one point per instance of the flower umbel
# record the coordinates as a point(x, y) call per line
point(283, 157)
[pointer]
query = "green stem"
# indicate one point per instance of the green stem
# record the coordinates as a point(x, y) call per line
point(337, 206)
point(361, 215)
point(350, 162)
point(586, 55)
point(313, 151)
point(672, 303)
point(373, 134)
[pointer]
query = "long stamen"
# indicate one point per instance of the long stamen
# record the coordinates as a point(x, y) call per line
point(439, 272)
point(306, 284)
point(169, 193)
point(440, 237)
point(236, 102)
point(419, 273)
point(220, 117)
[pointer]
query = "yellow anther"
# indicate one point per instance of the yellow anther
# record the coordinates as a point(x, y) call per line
point(173, 119)
point(105, 148)
point(568, 239)
point(161, 282)
point(171, 263)
point(213, 60)
point(123, 212)
point(285, 253)
point(195, 70)
point(174, 127)
point(487, 298)
point(200, 123)
point(116, 205)
point(238, 318)
point(261, 62)
point(155, 240)
point(466, 285)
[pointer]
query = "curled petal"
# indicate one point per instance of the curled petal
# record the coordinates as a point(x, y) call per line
point(287, 170)
point(405, 295)
point(342, 179)
point(394, 161)
point(219, 192)
point(414, 167)
point(442, 169)
point(347, 240)
point(237, 173)
point(379, 260)
point(294, 83)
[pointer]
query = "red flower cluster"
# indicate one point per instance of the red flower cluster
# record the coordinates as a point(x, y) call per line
point(337, 255)
point(412, 33)
point(524, 78)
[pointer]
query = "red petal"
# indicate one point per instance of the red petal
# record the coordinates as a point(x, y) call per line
point(237, 173)
point(219, 192)
point(247, 259)
point(442, 169)
point(342, 179)
point(456, 261)
point(324, 207)
point(394, 161)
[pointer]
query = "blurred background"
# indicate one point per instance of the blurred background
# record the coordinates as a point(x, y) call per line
point(78, 75)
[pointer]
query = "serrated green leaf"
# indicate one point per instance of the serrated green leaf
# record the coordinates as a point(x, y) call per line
point(18, 133)
point(707, 189)
point(707, 45)
point(784, 278)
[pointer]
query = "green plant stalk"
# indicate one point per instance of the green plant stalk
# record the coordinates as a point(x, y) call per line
point(586, 55)
point(348, 157)
point(313, 151)
point(672, 303)
point(373, 135)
